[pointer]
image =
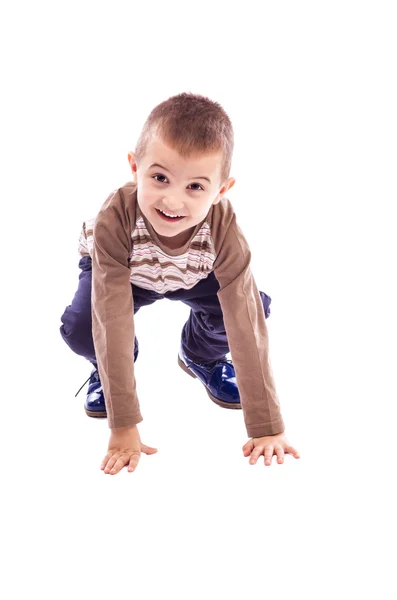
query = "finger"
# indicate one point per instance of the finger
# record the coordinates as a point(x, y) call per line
point(248, 447)
point(280, 454)
point(134, 460)
point(268, 454)
point(291, 450)
point(119, 464)
point(105, 460)
point(148, 449)
point(258, 450)
point(112, 460)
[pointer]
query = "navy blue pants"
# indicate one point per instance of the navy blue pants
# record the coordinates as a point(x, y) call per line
point(203, 336)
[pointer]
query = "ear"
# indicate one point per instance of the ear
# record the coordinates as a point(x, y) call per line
point(132, 163)
point(229, 183)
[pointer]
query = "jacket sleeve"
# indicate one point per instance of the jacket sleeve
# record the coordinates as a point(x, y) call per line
point(247, 335)
point(113, 312)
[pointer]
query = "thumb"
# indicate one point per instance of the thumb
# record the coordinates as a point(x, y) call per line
point(248, 447)
point(148, 449)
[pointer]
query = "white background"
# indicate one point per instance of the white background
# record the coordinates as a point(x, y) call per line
point(311, 90)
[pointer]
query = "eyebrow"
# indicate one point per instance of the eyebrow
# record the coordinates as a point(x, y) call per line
point(165, 169)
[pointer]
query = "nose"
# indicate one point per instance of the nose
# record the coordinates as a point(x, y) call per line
point(173, 203)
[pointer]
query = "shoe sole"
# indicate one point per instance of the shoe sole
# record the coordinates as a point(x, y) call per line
point(233, 405)
point(95, 413)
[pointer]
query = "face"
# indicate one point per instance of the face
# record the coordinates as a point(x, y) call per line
point(177, 186)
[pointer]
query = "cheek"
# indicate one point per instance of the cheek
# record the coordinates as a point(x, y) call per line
point(147, 194)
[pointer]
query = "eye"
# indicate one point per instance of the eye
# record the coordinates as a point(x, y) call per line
point(199, 187)
point(159, 175)
point(164, 177)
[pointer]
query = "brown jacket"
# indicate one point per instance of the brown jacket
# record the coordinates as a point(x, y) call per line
point(125, 249)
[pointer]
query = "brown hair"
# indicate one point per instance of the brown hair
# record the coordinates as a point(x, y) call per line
point(192, 125)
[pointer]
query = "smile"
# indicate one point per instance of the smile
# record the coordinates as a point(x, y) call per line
point(167, 217)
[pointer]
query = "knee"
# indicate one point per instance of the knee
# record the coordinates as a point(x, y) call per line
point(85, 263)
point(75, 324)
point(266, 300)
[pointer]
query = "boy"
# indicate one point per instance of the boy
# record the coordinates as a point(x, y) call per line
point(171, 233)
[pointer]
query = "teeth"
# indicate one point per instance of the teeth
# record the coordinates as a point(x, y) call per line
point(167, 215)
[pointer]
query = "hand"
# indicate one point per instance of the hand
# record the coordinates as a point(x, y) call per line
point(124, 448)
point(269, 445)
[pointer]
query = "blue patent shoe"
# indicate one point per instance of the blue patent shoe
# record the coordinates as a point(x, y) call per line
point(218, 378)
point(94, 405)
point(95, 402)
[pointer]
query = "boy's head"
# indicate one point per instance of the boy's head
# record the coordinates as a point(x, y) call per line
point(182, 163)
